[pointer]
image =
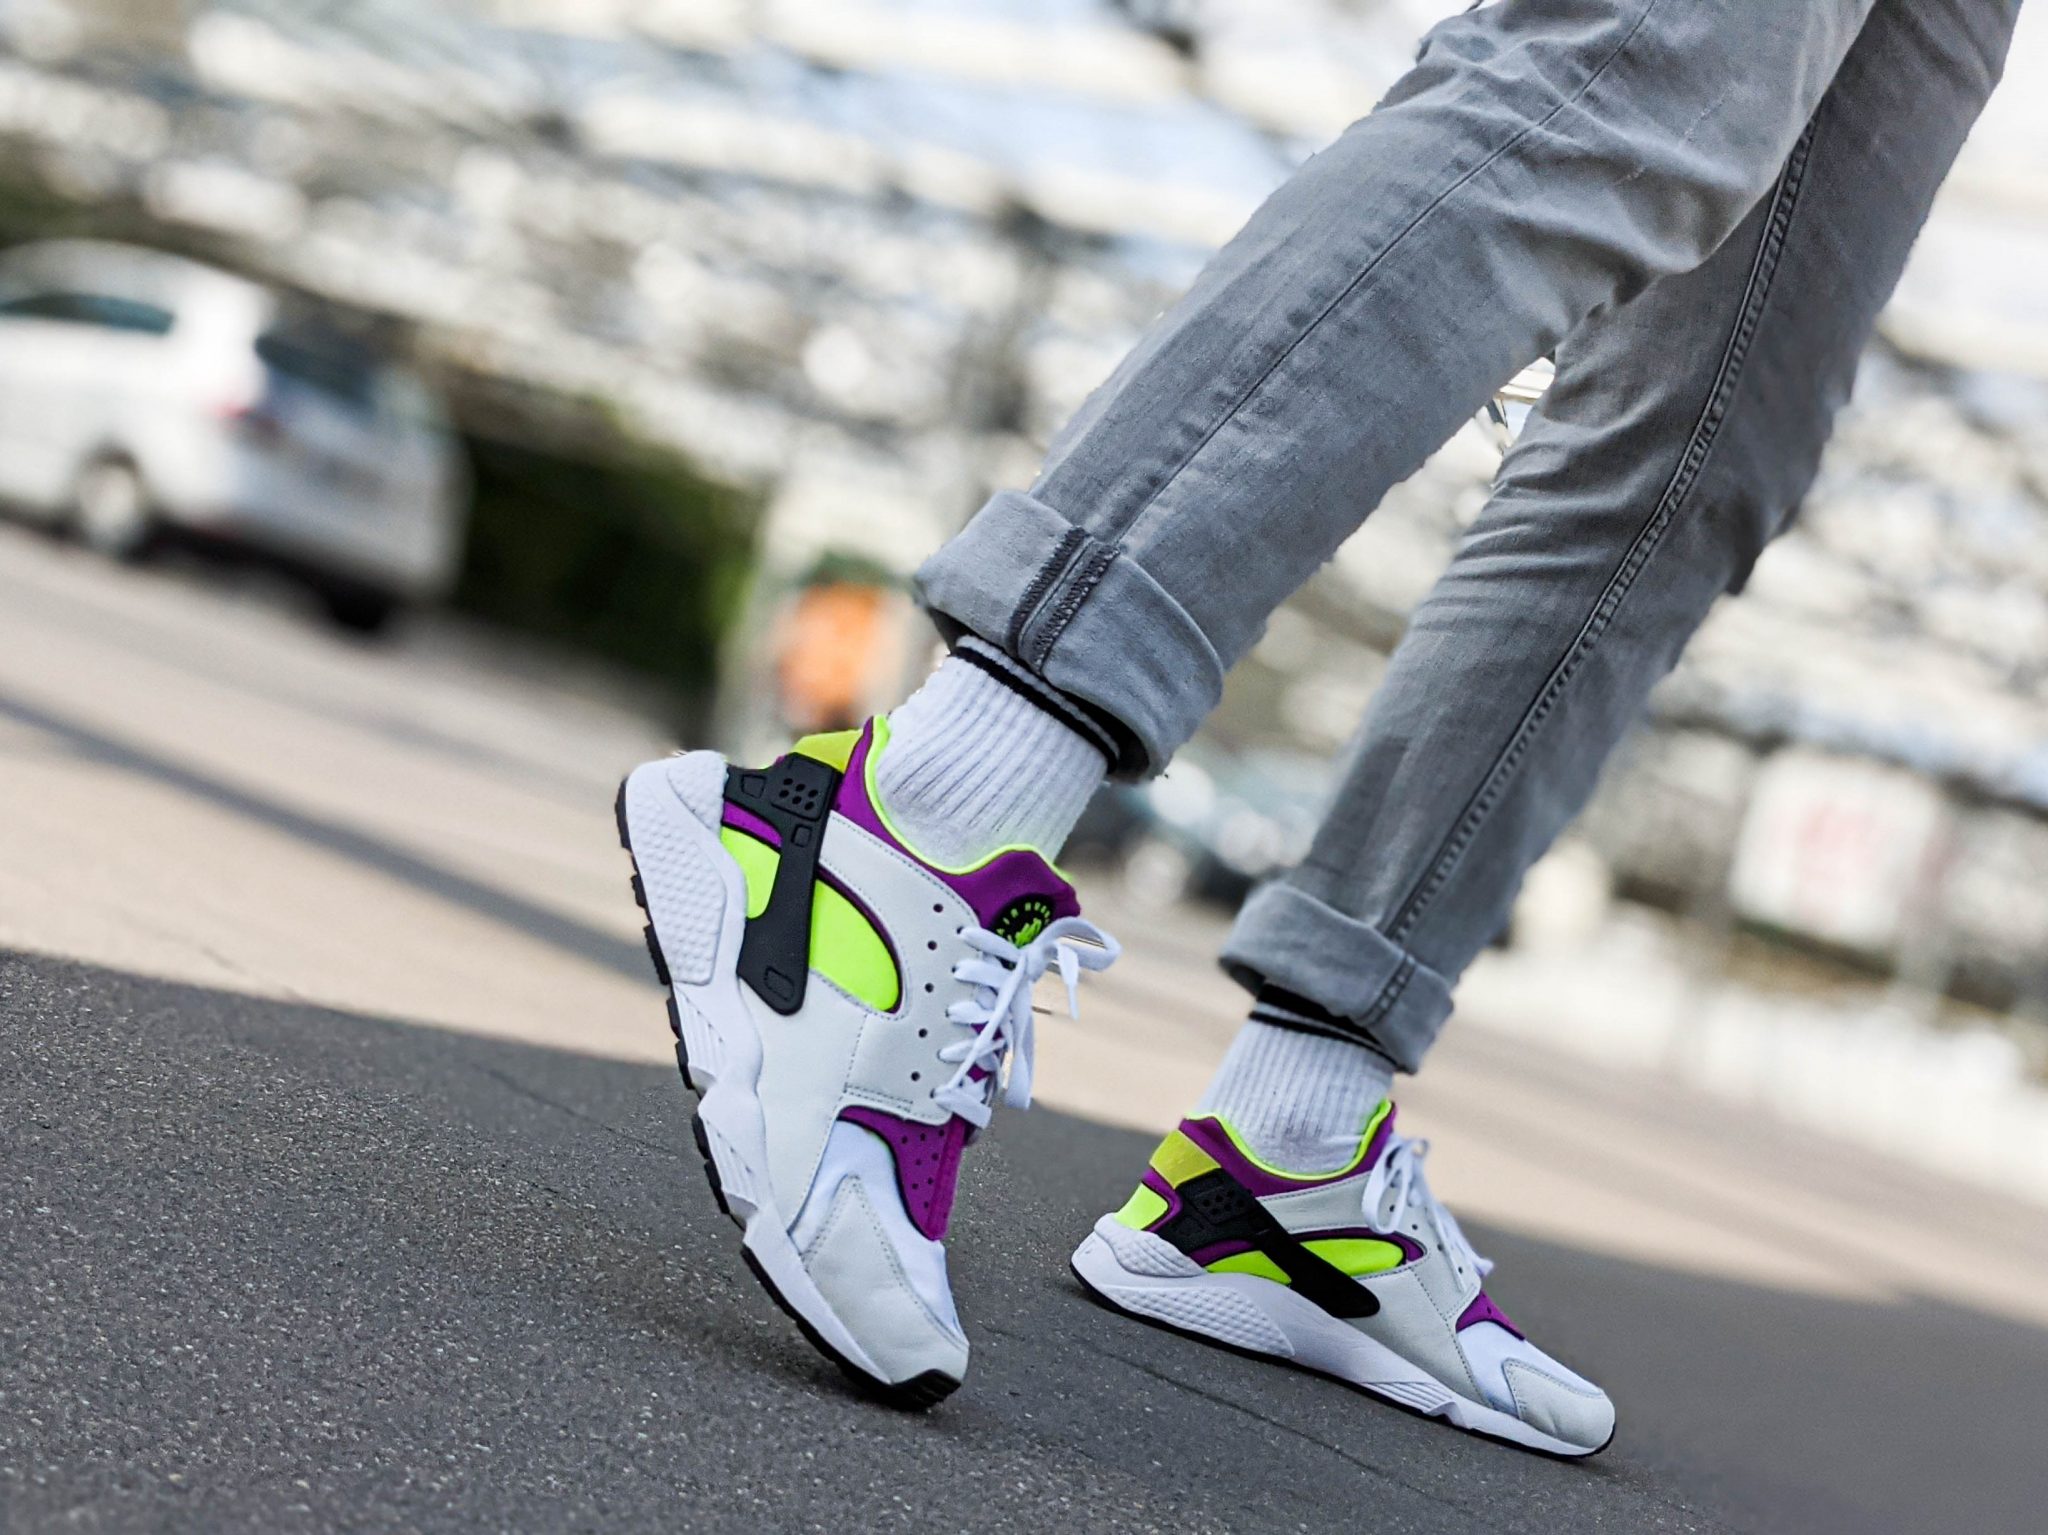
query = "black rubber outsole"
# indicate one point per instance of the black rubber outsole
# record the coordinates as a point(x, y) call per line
point(918, 1393)
point(1099, 1299)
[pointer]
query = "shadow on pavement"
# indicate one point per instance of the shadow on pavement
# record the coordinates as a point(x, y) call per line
point(580, 940)
point(221, 660)
point(277, 1266)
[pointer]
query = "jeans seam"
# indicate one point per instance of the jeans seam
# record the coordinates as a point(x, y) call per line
point(1121, 529)
point(1094, 564)
point(1705, 433)
point(1390, 994)
point(1055, 565)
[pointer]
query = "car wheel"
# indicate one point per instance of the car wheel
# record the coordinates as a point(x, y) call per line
point(359, 609)
point(110, 510)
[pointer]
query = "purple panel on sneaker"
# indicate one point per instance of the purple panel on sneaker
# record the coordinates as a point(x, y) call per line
point(1015, 883)
point(1214, 1139)
point(927, 1163)
point(740, 818)
point(1017, 887)
point(1483, 1309)
point(1165, 1191)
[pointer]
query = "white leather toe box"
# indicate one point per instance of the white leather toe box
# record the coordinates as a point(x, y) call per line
point(1519, 1378)
point(883, 1278)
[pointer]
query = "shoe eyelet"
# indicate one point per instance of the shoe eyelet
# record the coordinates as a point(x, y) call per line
point(917, 1076)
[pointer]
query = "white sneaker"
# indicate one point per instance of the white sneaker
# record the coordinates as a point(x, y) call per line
point(846, 1010)
point(1358, 1274)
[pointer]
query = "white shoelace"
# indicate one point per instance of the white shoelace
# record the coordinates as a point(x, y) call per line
point(1399, 1175)
point(999, 1012)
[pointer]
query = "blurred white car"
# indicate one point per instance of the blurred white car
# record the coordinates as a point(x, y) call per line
point(143, 393)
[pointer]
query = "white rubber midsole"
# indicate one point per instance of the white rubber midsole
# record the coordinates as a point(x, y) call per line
point(1149, 1277)
point(697, 903)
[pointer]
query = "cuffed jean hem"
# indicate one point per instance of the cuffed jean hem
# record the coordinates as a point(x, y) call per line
point(1291, 939)
point(1082, 614)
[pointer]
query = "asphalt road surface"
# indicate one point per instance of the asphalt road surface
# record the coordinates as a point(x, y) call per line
point(344, 1181)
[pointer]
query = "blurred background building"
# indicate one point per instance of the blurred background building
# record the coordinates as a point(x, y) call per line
point(724, 311)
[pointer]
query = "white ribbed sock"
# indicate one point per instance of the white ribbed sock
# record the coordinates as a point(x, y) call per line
point(1299, 1100)
point(973, 765)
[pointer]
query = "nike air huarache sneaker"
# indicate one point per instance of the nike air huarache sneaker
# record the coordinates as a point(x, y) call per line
point(848, 1013)
point(1358, 1274)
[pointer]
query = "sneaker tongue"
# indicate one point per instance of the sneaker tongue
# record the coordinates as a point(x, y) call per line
point(1016, 895)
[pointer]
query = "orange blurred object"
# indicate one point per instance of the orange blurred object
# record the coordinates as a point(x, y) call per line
point(827, 656)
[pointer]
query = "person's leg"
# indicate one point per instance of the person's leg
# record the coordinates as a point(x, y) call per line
point(848, 1005)
point(1684, 427)
point(1545, 159)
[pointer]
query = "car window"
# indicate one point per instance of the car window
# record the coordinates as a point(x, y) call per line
point(322, 360)
point(102, 310)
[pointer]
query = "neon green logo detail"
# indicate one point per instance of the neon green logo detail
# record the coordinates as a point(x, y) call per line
point(1023, 919)
point(845, 947)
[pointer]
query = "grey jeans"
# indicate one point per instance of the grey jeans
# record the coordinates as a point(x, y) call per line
point(1700, 207)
